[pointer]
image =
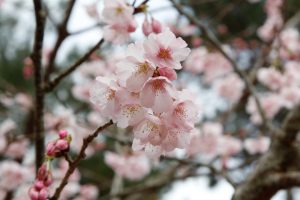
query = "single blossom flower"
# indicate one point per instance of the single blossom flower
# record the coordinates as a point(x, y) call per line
point(157, 94)
point(165, 50)
point(134, 70)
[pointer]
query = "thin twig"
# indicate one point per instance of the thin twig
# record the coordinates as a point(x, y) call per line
point(76, 161)
point(52, 84)
point(62, 34)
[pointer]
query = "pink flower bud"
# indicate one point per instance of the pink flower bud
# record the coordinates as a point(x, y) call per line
point(62, 144)
point(39, 184)
point(146, 27)
point(168, 72)
point(62, 134)
point(50, 149)
point(42, 172)
point(33, 194)
point(156, 26)
point(48, 180)
point(43, 194)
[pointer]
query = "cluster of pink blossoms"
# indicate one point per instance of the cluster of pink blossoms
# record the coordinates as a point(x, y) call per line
point(283, 90)
point(118, 16)
point(132, 167)
point(217, 71)
point(274, 20)
point(141, 95)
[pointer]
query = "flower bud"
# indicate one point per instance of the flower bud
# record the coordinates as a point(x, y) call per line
point(156, 26)
point(50, 149)
point(62, 144)
point(39, 184)
point(146, 27)
point(33, 194)
point(42, 172)
point(43, 194)
point(62, 134)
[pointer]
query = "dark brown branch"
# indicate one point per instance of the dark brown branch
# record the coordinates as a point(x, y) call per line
point(39, 94)
point(73, 165)
point(62, 34)
point(52, 84)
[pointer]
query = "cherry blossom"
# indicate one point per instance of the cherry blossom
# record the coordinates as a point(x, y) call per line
point(107, 88)
point(257, 145)
point(165, 50)
point(134, 71)
point(230, 87)
point(158, 94)
point(271, 78)
point(119, 17)
point(132, 167)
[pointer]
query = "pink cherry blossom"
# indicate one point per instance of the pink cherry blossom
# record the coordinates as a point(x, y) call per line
point(271, 104)
point(290, 41)
point(119, 33)
point(116, 10)
point(290, 96)
point(183, 115)
point(195, 62)
point(230, 87)
point(130, 115)
point(165, 50)
point(17, 149)
point(229, 146)
point(134, 71)
point(291, 71)
point(132, 167)
point(89, 192)
point(271, 78)
point(12, 174)
point(149, 130)
point(257, 145)
point(103, 94)
point(157, 94)
point(206, 142)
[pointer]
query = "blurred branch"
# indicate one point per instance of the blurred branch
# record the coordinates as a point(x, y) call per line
point(211, 38)
point(52, 84)
point(73, 164)
point(86, 29)
point(62, 34)
point(39, 93)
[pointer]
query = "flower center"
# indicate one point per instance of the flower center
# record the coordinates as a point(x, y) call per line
point(119, 10)
point(158, 85)
point(164, 54)
point(110, 95)
point(143, 68)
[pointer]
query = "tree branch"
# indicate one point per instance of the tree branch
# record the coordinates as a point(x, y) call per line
point(52, 84)
point(39, 94)
point(81, 156)
point(62, 34)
